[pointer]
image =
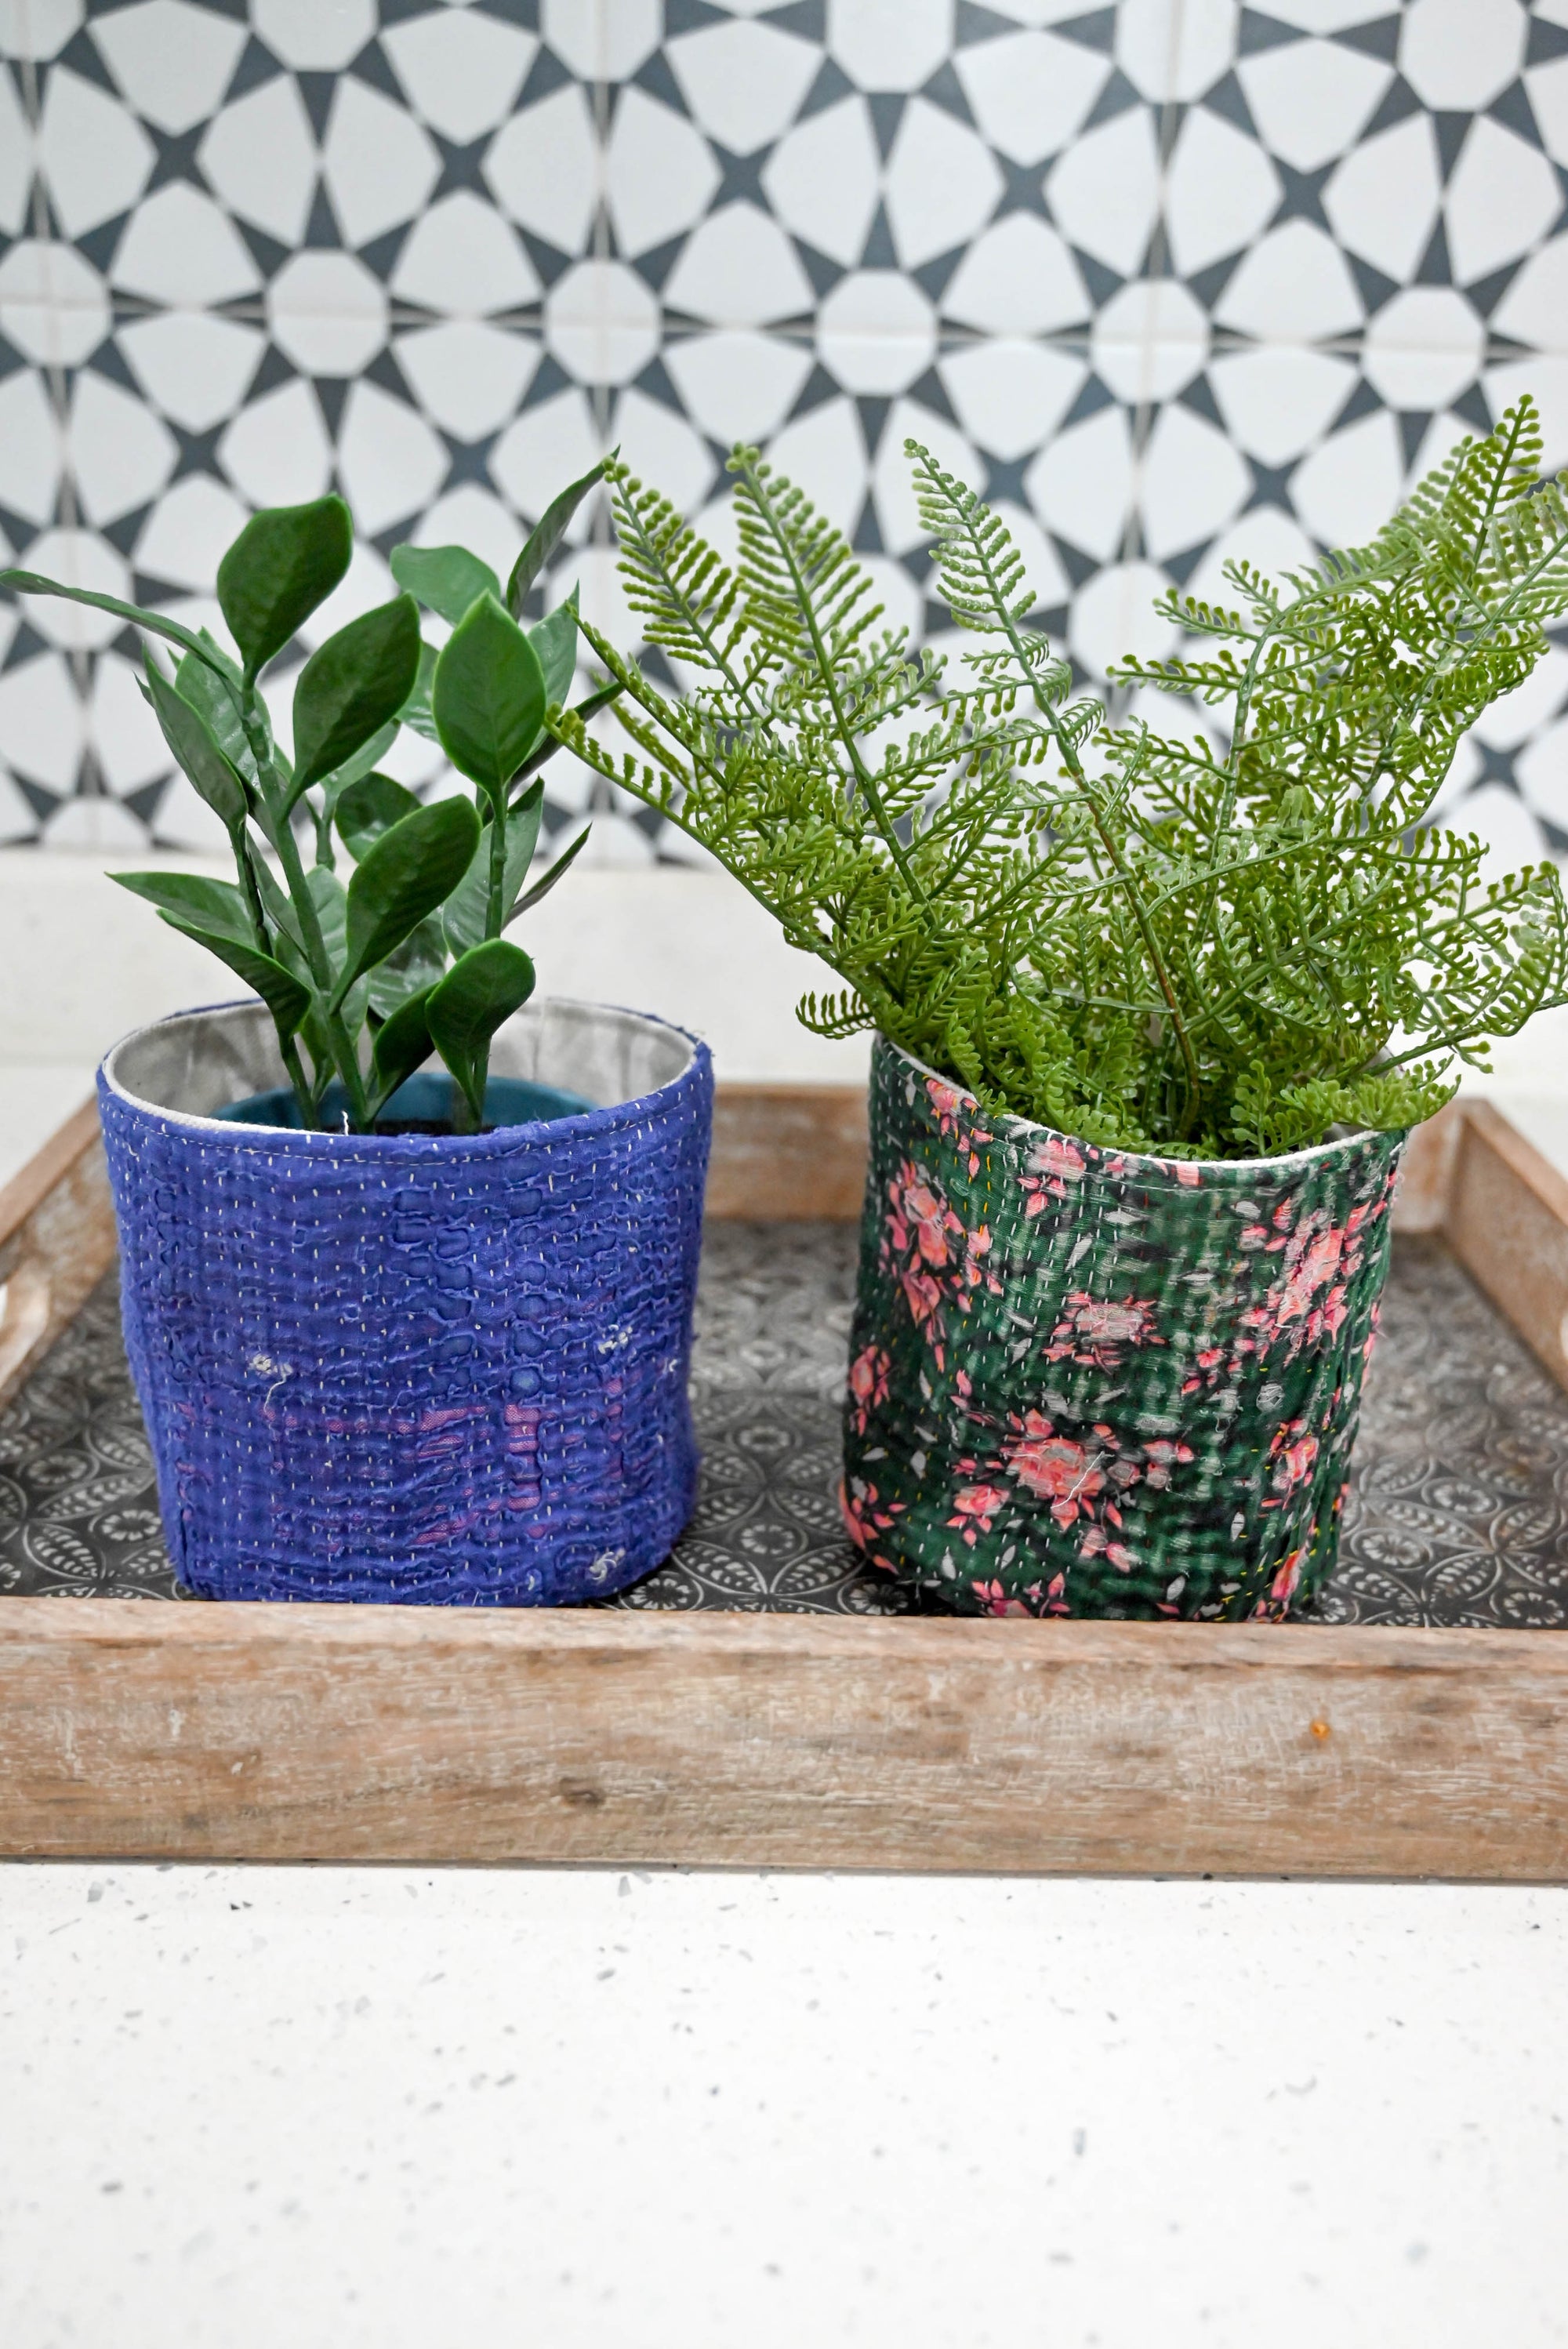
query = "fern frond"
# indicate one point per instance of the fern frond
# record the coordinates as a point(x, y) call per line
point(836, 1015)
point(1152, 942)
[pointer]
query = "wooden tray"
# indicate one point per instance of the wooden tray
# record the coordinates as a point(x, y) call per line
point(627, 1738)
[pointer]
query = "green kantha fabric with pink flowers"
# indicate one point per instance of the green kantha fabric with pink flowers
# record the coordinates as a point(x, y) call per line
point(1088, 1383)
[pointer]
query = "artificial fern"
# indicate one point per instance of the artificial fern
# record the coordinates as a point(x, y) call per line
point(1143, 940)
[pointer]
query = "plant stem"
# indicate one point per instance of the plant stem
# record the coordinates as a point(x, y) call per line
point(1075, 767)
point(337, 1036)
point(339, 1041)
point(495, 908)
point(864, 779)
point(307, 1096)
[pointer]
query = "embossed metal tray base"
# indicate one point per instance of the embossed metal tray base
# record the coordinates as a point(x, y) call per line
point(1458, 1509)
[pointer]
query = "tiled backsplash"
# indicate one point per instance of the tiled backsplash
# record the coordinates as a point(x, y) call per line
point(1169, 279)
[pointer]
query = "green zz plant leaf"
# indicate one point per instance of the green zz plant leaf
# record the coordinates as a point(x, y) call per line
point(484, 988)
point(365, 979)
point(351, 688)
point(286, 561)
point(408, 870)
point(489, 699)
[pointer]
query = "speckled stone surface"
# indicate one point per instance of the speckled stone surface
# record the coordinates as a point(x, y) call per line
point(1459, 1508)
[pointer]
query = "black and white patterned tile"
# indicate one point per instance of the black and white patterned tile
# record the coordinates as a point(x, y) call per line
point(1171, 279)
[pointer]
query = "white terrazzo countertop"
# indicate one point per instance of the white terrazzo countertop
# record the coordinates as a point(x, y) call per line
point(392, 2110)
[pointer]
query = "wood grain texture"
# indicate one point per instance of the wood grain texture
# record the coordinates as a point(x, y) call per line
point(788, 1153)
point(1426, 1172)
point(57, 1241)
point(372, 1733)
point(1507, 1221)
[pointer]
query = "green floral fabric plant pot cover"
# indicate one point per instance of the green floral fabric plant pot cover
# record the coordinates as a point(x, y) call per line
point(1088, 1383)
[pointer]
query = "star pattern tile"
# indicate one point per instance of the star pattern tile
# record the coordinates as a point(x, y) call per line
point(1171, 280)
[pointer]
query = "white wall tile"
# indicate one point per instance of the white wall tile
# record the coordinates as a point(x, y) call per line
point(942, 183)
point(876, 331)
point(1149, 340)
point(78, 558)
point(739, 268)
point(601, 323)
point(821, 179)
point(543, 169)
point(1424, 347)
point(468, 376)
point(1019, 277)
point(94, 155)
point(464, 261)
point(1461, 54)
point(737, 387)
point(186, 534)
point(743, 82)
point(261, 158)
point(1192, 483)
point(389, 461)
point(1547, 86)
point(193, 368)
point(889, 44)
point(1031, 92)
point(1293, 286)
point(276, 452)
point(379, 165)
point(1221, 191)
point(1502, 198)
point(327, 314)
point(1114, 617)
point(1011, 394)
point(172, 60)
point(54, 305)
point(30, 446)
point(659, 172)
point(120, 453)
point(123, 730)
point(315, 34)
point(1104, 191)
point(548, 445)
point(41, 720)
point(606, 39)
point(37, 28)
point(1081, 484)
point(1175, 48)
point(462, 71)
point(1279, 399)
point(1346, 488)
point(1311, 99)
point(181, 249)
point(17, 157)
point(1383, 201)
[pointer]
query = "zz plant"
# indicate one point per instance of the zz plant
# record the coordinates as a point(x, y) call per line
point(365, 979)
point(1152, 942)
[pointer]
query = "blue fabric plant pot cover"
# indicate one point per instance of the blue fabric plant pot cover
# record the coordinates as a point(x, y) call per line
point(414, 1367)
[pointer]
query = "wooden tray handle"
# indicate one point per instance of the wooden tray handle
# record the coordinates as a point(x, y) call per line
point(24, 1317)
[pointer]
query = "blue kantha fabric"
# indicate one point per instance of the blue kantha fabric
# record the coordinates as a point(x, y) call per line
point(414, 1369)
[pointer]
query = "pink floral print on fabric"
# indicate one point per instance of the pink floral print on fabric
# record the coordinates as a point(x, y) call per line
point(1084, 1382)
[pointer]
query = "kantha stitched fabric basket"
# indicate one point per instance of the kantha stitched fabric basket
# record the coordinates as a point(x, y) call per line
point(1088, 1383)
point(413, 1367)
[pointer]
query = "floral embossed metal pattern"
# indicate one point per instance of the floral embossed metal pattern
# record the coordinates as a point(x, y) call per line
point(1458, 1513)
